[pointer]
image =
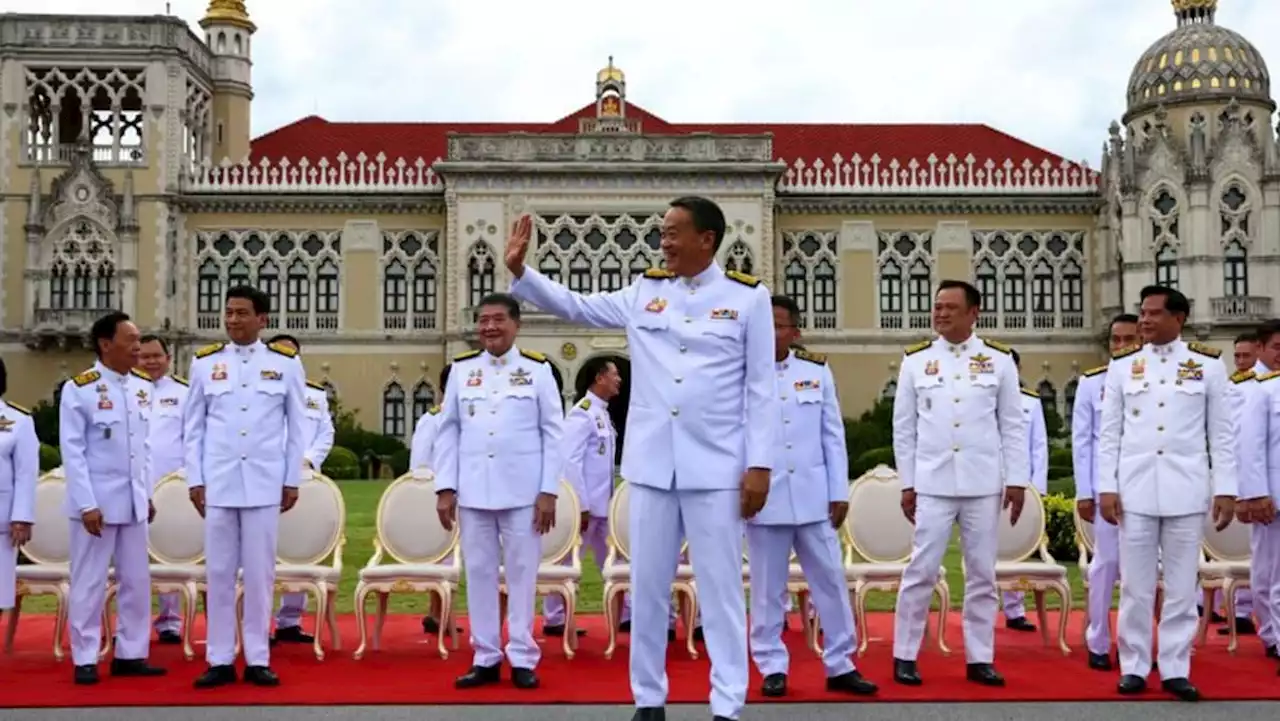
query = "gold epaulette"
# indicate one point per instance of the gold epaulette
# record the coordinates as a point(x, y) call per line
point(210, 349)
point(180, 380)
point(466, 355)
point(1094, 371)
point(433, 411)
point(141, 374)
point(585, 404)
point(86, 378)
point(1268, 376)
point(913, 349)
point(1030, 393)
point(818, 358)
point(1242, 376)
point(748, 280)
point(283, 350)
point(534, 355)
point(996, 345)
point(315, 386)
point(20, 409)
point(659, 274)
point(1125, 352)
point(1204, 350)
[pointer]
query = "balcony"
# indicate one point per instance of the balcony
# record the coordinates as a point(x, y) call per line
point(61, 327)
point(1241, 310)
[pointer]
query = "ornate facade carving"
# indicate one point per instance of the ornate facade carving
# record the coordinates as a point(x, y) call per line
point(610, 148)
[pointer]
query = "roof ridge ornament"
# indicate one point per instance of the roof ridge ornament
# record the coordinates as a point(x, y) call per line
point(1195, 11)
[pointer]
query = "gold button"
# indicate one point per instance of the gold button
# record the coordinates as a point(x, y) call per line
point(788, 445)
point(957, 376)
point(1160, 428)
point(675, 411)
point(679, 379)
point(956, 424)
point(786, 421)
point(955, 448)
point(244, 385)
point(683, 349)
point(1164, 360)
point(1160, 452)
point(687, 319)
point(791, 470)
point(1161, 381)
point(244, 458)
point(490, 432)
point(1160, 404)
point(491, 455)
point(244, 432)
point(957, 400)
point(244, 408)
point(782, 398)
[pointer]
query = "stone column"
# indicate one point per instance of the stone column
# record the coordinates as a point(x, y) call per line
point(953, 250)
point(858, 274)
point(361, 252)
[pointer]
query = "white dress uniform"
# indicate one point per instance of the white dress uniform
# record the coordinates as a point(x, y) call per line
point(1167, 426)
point(19, 469)
point(589, 443)
point(810, 472)
point(960, 437)
point(703, 356)
point(241, 397)
point(317, 430)
point(425, 433)
point(103, 433)
point(1038, 438)
point(1104, 567)
point(498, 448)
point(167, 456)
point(1259, 478)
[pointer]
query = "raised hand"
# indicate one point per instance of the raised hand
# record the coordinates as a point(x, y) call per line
point(518, 245)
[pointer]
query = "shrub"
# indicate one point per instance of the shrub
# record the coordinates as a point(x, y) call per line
point(1060, 457)
point(871, 459)
point(1060, 527)
point(50, 457)
point(400, 462)
point(1056, 471)
point(863, 436)
point(341, 465)
point(1064, 486)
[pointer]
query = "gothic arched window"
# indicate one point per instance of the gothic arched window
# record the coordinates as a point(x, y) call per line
point(393, 419)
point(424, 396)
point(1235, 270)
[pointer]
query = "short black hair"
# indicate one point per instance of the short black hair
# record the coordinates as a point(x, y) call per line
point(4, 379)
point(593, 368)
point(153, 338)
point(1122, 318)
point(788, 304)
point(706, 215)
point(972, 296)
point(1017, 357)
point(506, 300)
point(285, 338)
point(1267, 331)
point(1174, 300)
point(105, 327)
point(261, 303)
point(444, 376)
point(1246, 338)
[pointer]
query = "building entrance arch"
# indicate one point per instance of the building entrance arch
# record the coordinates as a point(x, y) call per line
point(617, 406)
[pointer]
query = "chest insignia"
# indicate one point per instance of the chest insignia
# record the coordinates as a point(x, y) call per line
point(1190, 370)
point(1138, 368)
point(810, 385)
point(724, 314)
point(219, 372)
point(104, 403)
point(599, 423)
point(931, 368)
point(142, 398)
point(169, 402)
point(271, 375)
point(981, 363)
point(657, 305)
point(312, 405)
point(100, 388)
point(6, 425)
point(475, 378)
point(521, 377)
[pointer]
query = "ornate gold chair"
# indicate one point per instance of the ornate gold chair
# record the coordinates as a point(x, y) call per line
point(49, 551)
point(409, 532)
point(1023, 564)
point(1225, 568)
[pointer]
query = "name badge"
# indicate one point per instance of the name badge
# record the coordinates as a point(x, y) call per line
point(270, 375)
point(724, 314)
point(521, 377)
point(6, 425)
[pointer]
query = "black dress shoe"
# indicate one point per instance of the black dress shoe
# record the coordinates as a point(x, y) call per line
point(625, 627)
point(86, 675)
point(557, 630)
point(1019, 624)
point(906, 673)
point(292, 634)
point(169, 638)
point(653, 713)
point(1099, 661)
point(261, 676)
point(524, 678)
point(430, 625)
point(851, 682)
point(697, 635)
point(1244, 627)
point(1130, 685)
point(671, 635)
point(1181, 689)
point(134, 667)
point(479, 676)
point(983, 673)
point(215, 676)
point(774, 685)
point(1272, 652)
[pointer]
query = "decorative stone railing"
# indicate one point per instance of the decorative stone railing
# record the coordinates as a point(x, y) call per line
point(345, 174)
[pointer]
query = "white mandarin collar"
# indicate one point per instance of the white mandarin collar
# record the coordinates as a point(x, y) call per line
point(708, 275)
point(785, 362)
point(504, 359)
point(250, 349)
point(597, 399)
point(109, 374)
point(964, 346)
point(1168, 348)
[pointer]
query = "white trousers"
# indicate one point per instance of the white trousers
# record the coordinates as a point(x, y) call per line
point(1264, 578)
point(292, 608)
point(235, 540)
point(91, 559)
point(1015, 605)
point(1149, 544)
point(8, 570)
point(1104, 571)
point(713, 522)
point(596, 538)
point(979, 519)
point(506, 539)
point(818, 550)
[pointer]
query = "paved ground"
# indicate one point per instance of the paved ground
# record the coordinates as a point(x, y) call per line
point(1141, 711)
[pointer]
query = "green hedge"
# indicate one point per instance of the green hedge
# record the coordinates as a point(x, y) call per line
point(341, 465)
point(1060, 527)
point(869, 460)
point(50, 457)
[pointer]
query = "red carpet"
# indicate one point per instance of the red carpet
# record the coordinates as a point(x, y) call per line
point(408, 671)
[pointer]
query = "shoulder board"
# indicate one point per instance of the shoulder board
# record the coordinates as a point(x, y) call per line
point(283, 350)
point(811, 357)
point(1125, 352)
point(585, 404)
point(659, 274)
point(1204, 350)
point(140, 374)
point(996, 345)
point(1268, 376)
point(86, 378)
point(315, 386)
point(1030, 393)
point(180, 380)
point(433, 410)
point(534, 355)
point(1242, 376)
point(1094, 371)
point(210, 349)
point(18, 408)
point(913, 349)
point(747, 280)
point(466, 355)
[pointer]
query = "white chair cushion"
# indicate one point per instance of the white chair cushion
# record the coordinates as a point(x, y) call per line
point(411, 572)
point(622, 572)
point(1031, 569)
point(307, 572)
point(178, 572)
point(44, 572)
point(1225, 569)
point(550, 572)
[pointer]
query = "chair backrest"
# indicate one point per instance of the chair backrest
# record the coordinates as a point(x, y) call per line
point(176, 536)
point(1086, 536)
point(50, 542)
point(1231, 544)
point(560, 540)
point(620, 521)
point(1016, 543)
point(314, 527)
point(407, 525)
point(875, 527)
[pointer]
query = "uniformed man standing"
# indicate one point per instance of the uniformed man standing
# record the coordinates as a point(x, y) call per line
point(501, 423)
point(960, 439)
point(19, 469)
point(103, 420)
point(242, 478)
point(167, 402)
point(702, 354)
point(1259, 450)
point(420, 465)
point(589, 443)
point(317, 434)
point(1086, 424)
point(1166, 426)
point(1015, 609)
point(808, 501)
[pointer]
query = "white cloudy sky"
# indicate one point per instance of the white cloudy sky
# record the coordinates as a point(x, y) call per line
point(1050, 71)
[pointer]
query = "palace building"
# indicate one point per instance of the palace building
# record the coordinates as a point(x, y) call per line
point(130, 180)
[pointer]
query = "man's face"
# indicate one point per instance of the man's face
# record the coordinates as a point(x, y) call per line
point(952, 313)
point(1269, 352)
point(1155, 323)
point(609, 382)
point(785, 332)
point(243, 324)
point(496, 328)
point(122, 350)
point(1246, 355)
point(683, 247)
point(1123, 335)
point(153, 359)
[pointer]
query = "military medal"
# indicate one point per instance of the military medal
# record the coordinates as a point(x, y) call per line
point(219, 372)
point(104, 404)
point(930, 369)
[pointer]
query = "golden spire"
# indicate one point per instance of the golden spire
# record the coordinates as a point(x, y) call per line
point(227, 12)
point(1193, 10)
point(610, 73)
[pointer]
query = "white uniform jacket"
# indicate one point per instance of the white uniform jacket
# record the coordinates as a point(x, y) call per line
point(167, 402)
point(19, 466)
point(499, 440)
point(958, 425)
point(103, 431)
point(1086, 424)
point(1038, 440)
point(702, 354)
point(1167, 440)
point(244, 423)
point(424, 439)
point(317, 427)
point(589, 442)
point(1260, 440)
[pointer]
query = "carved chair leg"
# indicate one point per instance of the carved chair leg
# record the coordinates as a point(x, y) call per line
point(362, 593)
